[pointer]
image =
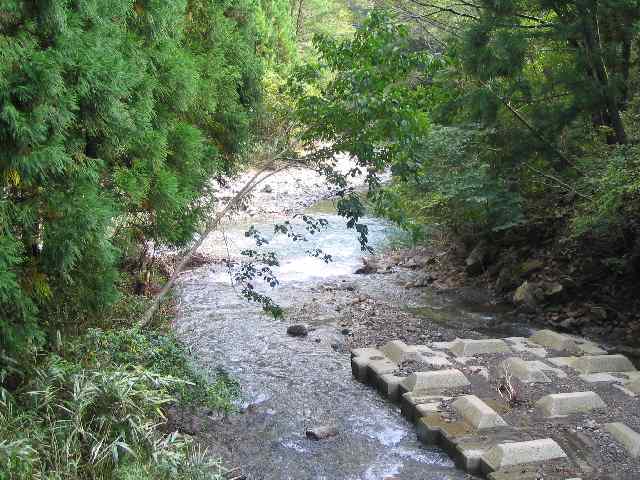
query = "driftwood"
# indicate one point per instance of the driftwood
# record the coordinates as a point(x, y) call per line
point(263, 174)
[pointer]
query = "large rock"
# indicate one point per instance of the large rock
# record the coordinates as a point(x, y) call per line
point(562, 404)
point(527, 294)
point(321, 432)
point(298, 330)
point(478, 259)
point(521, 453)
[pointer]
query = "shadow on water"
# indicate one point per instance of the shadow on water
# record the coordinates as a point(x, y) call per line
point(290, 384)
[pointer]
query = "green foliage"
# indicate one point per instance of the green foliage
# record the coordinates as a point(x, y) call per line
point(114, 115)
point(92, 411)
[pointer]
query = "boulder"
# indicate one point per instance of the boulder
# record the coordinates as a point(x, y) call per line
point(527, 294)
point(478, 259)
point(298, 330)
point(530, 267)
point(267, 188)
point(321, 432)
point(369, 265)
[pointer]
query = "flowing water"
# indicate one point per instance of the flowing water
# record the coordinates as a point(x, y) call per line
point(290, 384)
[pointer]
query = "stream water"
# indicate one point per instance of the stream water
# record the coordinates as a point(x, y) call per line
point(290, 384)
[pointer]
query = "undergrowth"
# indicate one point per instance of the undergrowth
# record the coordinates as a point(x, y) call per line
point(91, 408)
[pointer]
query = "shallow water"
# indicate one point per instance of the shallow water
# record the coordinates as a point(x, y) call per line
point(290, 384)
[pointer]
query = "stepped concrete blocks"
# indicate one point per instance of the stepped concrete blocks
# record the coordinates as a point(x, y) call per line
point(602, 363)
point(360, 358)
point(434, 429)
point(526, 372)
point(626, 436)
point(562, 361)
point(366, 352)
point(377, 367)
point(562, 404)
point(397, 351)
point(409, 403)
point(436, 380)
point(547, 368)
point(359, 368)
point(633, 386)
point(477, 413)
point(522, 345)
point(389, 386)
point(599, 377)
point(589, 348)
point(521, 453)
point(467, 348)
point(424, 409)
point(468, 457)
point(554, 340)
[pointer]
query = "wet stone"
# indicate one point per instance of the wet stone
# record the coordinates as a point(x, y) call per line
point(521, 453)
point(602, 363)
point(467, 348)
point(626, 436)
point(477, 413)
point(562, 404)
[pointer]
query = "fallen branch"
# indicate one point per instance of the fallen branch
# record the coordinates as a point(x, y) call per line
point(212, 225)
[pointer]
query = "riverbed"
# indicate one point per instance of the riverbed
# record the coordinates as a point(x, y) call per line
point(291, 384)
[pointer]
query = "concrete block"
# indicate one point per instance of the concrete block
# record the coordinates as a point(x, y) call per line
point(424, 409)
point(437, 380)
point(624, 390)
point(466, 348)
point(376, 368)
point(554, 340)
point(441, 345)
point(562, 361)
point(561, 404)
point(626, 436)
point(524, 371)
point(522, 345)
point(468, 457)
point(366, 352)
point(633, 385)
point(409, 403)
point(359, 368)
point(602, 363)
point(389, 386)
point(477, 413)
point(590, 348)
point(599, 377)
point(360, 358)
point(397, 351)
point(558, 372)
point(521, 453)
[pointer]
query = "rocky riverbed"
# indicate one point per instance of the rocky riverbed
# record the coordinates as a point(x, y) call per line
point(294, 384)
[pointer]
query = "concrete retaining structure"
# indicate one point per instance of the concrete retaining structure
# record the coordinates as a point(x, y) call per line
point(477, 413)
point(507, 411)
point(521, 453)
point(562, 404)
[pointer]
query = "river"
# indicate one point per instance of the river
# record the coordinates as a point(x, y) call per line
point(290, 384)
